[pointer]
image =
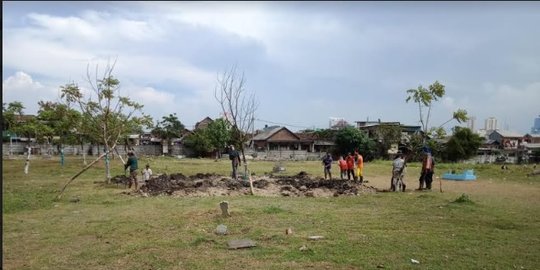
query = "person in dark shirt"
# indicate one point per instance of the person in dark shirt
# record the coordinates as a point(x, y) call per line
point(327, 162)
point(132, 164)
point(234, 156)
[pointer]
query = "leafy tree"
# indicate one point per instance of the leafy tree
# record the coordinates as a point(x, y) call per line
point(33, 128)
point(108, 115)
point(462, 145)
point(169, 128)
point(61, 119)
point(350, 139)
point(214, 137)
point(386, 135)
point(10, 113)
point(199, 142)
point(219, 134)
point(425, 98)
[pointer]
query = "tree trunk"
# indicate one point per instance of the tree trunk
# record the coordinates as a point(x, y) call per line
point(246, 172)
point(83, 154)
point(79, 173)
point(107, 165)
point(27, 163)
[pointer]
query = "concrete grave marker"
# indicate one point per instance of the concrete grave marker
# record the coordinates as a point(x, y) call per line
point(241, 243)
point(224, 205)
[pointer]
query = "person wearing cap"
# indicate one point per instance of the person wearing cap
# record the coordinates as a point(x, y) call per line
point(234, 156)
point(132, 163)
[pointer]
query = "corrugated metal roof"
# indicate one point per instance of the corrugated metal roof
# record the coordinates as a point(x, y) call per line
point(508, 134)
point(532, 145)
point(266, 134)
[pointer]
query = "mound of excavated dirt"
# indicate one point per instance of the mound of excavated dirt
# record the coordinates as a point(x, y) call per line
point(300, 185)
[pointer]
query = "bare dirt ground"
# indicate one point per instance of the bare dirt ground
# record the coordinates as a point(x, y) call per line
point(199, 185)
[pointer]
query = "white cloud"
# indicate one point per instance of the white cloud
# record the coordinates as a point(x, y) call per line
point(21, 87)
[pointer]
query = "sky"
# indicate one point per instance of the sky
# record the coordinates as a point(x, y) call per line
point(305, 62)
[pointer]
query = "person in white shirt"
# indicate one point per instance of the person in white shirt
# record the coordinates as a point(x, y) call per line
point(147, 173)
point(398, 174)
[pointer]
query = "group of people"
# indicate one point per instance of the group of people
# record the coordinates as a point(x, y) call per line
point(133, 164)
point(351, 166)
point(397, 182)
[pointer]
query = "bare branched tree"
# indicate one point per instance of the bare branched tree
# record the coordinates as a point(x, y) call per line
point(239, 108)
point(107, 115)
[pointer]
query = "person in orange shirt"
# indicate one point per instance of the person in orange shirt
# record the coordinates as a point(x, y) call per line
point(350, 166)
point(426, 176)
point(343, 167)
point(359, 162)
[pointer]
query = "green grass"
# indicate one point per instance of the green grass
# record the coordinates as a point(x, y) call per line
point(491, 223)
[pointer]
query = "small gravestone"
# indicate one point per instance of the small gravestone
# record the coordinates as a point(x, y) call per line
point(241, 243)
point(221, 229)
point(224, 205)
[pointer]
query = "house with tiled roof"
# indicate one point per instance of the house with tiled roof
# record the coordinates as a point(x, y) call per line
point(506, 139)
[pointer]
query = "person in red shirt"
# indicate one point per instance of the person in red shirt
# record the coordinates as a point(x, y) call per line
point(350, 166)
point(342, 166)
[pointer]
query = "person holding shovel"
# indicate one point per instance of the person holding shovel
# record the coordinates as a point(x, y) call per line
point(132, 163)
point(234, 156)
point(426, 176)
point(327, 163)
point(398, 174)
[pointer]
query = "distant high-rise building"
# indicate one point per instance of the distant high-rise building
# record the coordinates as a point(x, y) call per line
point(536, 128)
point(491, 123)
point(470, 123)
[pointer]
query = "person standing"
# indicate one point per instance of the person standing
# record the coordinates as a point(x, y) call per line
point(398, 173)
point(342, 167)
point(234, 156)
point(132, 163)
point(359, 162)
point(350, 166)
point(327, 162)
point(426, 176)
point(147, 173)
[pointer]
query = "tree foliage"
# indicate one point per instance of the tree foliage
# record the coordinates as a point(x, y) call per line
point(62, 120)
point(199, 142)
point(462, 145)
point(425, 99)
point(10, 114)
point(219, 134)
point(386, 135)
point(350, 139)
point(214, 137)
point(169, 127)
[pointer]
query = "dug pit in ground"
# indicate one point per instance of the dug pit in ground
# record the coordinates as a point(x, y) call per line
point(300, 185)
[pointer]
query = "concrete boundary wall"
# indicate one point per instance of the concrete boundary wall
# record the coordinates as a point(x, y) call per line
point(152, 150)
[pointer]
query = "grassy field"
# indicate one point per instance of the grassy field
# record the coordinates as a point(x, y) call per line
point(495, 226)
